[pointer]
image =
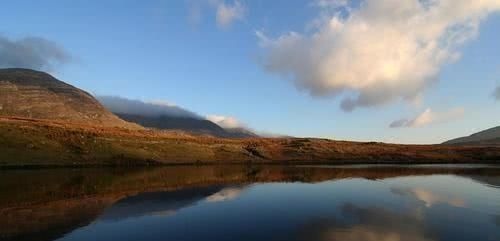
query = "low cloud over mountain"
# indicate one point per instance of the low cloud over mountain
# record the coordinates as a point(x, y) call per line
point(150, 109)
point(164, 115)
point(225, 121)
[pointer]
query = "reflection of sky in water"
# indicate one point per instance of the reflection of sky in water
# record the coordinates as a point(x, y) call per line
point(440, 207)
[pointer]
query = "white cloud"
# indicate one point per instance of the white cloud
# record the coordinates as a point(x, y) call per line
point(225, 121)
point(228, 13)
point(429, 117)
point(382, 51)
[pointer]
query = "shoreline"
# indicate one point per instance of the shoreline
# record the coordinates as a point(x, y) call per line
point(299, 164)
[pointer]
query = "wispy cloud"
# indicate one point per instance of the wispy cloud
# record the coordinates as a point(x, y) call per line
point(228, 13)
point(33, 53)
point(429, 117)
point(378, 52)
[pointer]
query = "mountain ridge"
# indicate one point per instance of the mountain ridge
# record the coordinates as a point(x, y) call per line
point(34, 94)
point(189, 124)
point(165, 116)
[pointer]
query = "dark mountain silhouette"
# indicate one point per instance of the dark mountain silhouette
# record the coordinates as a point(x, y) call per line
point(32, 94)
point(487, 137)
point(188, 124)
point(166, 116)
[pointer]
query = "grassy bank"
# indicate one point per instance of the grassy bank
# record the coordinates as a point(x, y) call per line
point(38, 143)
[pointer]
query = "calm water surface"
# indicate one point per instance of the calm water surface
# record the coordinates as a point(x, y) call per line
point(254, 203)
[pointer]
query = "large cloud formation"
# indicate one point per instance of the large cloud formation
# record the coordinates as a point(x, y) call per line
point(31, 52)
point(378, 52)
point(429, 117)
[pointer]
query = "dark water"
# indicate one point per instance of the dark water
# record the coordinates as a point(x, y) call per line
point(253, 203)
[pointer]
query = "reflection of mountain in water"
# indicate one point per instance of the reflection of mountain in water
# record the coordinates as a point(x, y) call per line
point(492, 181)
point(63, 199)
point(156, 203)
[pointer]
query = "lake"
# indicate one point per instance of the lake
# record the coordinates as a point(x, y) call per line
point(363, 202)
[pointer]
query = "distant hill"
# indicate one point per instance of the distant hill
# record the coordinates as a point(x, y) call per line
point(188, 124)
point(487, 137)
point(240, 132)
point(167, 116)
point(32, 94)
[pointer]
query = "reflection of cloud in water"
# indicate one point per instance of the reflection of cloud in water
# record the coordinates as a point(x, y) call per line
point(430, 198)
point(225, 194)
point(368, 233)
point(366, 224)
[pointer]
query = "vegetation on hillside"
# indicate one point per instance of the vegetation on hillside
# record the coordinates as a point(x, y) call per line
point(32, 142)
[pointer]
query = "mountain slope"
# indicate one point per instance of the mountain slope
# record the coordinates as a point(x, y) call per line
point(166, 116)
point(240, 132)
point(490, 137)
point(188, 124)
point(38, 95)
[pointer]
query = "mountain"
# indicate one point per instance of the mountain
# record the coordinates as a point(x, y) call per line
point(487, 137)
point(32, 94)
point(240, 132)
point(185, 123)
point(188, 124)
point(167, 116)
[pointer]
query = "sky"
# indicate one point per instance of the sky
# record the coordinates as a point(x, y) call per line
point(414, 71)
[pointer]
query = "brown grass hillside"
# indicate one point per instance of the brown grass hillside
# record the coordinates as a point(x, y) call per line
point(34, 94)
point(26, 141)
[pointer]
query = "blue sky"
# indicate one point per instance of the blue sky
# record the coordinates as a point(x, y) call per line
point(180, 52)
